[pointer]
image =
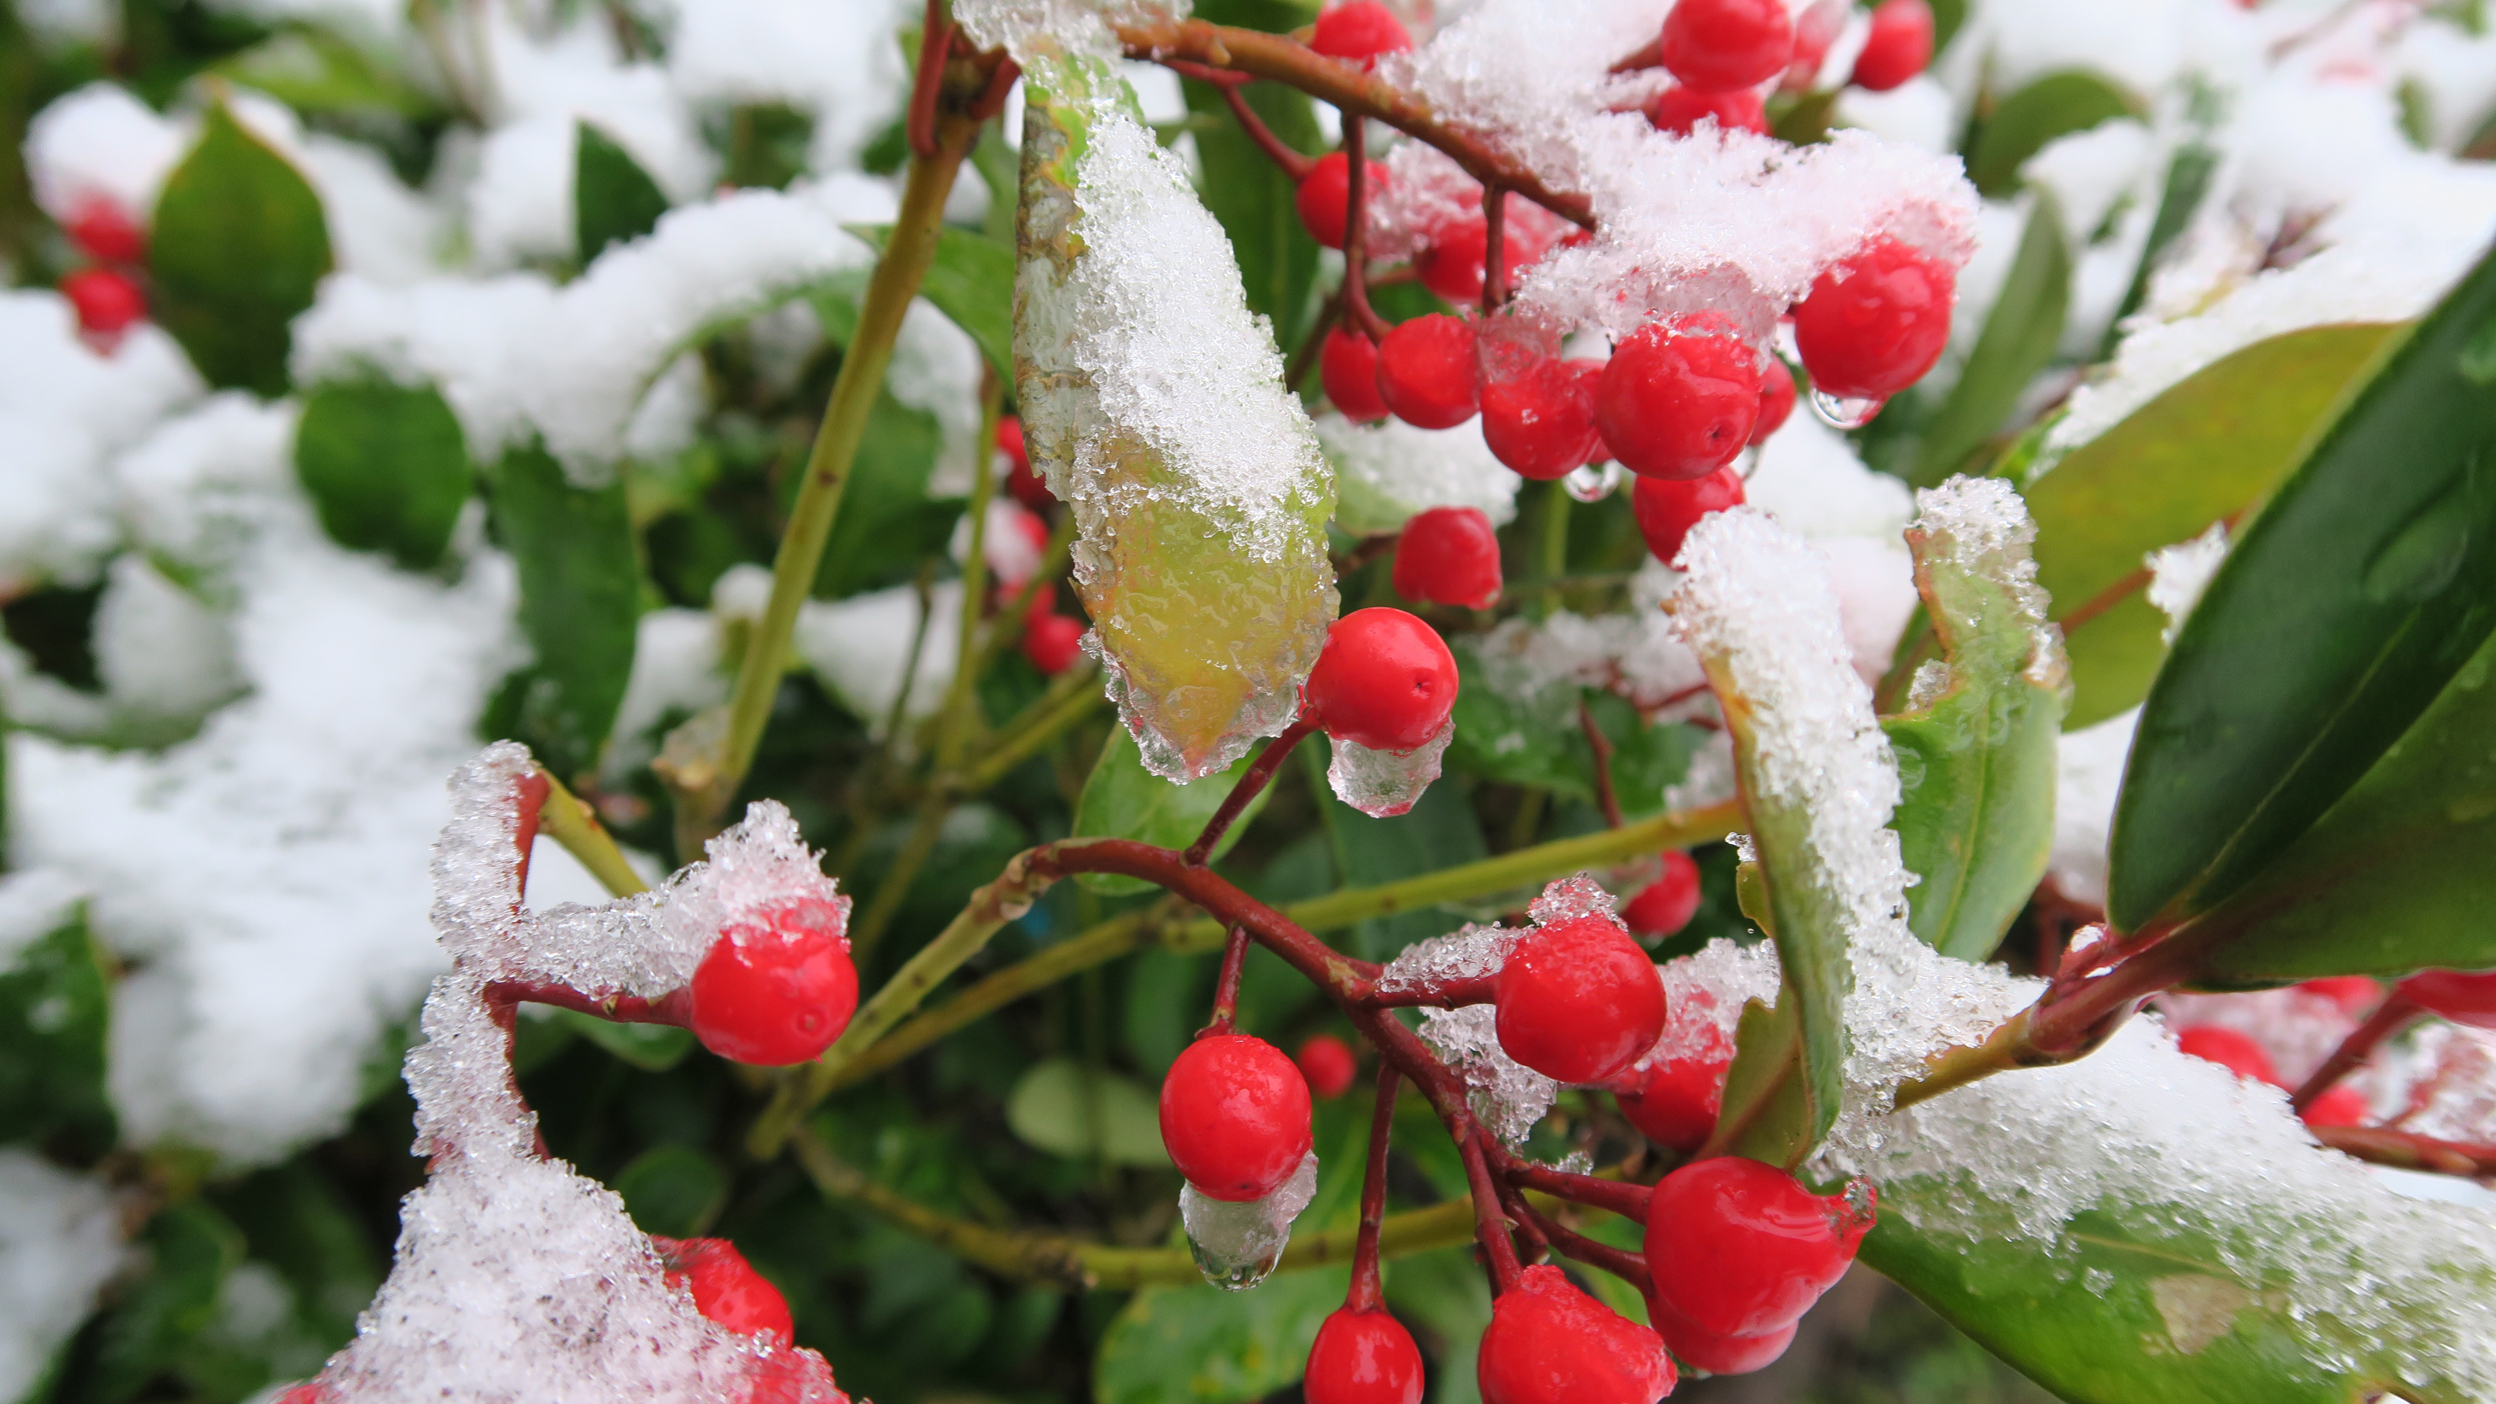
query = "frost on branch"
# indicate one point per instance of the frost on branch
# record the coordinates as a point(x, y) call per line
point(1153, 403)
point(517, 1278)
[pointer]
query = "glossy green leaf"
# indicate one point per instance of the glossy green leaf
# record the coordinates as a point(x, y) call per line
point(191, 1247)
point(1124, 800)
point(1252, 197)
point(238, 245)
point(2400, 874)
point(1068, 1109)
point(673, 1190)
point(311, 70)
point(580, 602)
point(2208, 448)
point(55, 1013)
point(970, 281)
point(613, 198)
point(2058, 104)
point(2017, 342)
point(2344, 609)
point(1976, 758)
point(1766, 1113)
point(385, 466)
point(1201, 1345)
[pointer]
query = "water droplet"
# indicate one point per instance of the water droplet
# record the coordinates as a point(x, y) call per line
point(1840, 413)
point(1594, 483)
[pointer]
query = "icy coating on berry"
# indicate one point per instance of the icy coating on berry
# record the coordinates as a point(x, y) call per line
point(1153, 403)
point(1383, 784)
point(516, 1277)
point(1473, 952)
point(1508, 1096)
point(1237, 1244)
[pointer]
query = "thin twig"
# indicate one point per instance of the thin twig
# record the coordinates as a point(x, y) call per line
point(1247, 789)
point(1292, 162)
point(1494, 249)
point(2409, 1151)
point(1226, 985)
point(1313, 343)
point(1364, 1294)
point(1356, 232)
point(1602, 744)
point(2396, 1014)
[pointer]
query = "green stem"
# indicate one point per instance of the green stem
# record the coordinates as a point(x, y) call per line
point(1069, 700)
point(925, 830)
point(962, 700)
point(569, 821)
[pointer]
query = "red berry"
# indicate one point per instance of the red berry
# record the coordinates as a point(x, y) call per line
point(1360, 31)
point(1385, 680)
point(1679, 110)
point(1053, 642)
point(1448, 555)
point(1453, 264)
point(1666, 905)
point(777, 987)
point(2464, 999)
point(1740, 1249)
point(1667, 509)
point(726, 1288)
point(106, 302)
point(1717, 1355)
point(1777, 393)
point(1327, 1062)
point(1717, 45)
point(1235, 1117)
point(2355, 994)
point(1426, 372)
point(2341, 1106)
point(1815, 29)
point(307, 1393)
point(1679, 1098)
point(1363, 1357)
point(793, 1377)
point(1540, 421)
point(107, 235)
point(1679, 401)
point(1324, 198)
point(1549, 1343)
point(1899, 47)
point(2230, 1050)
point(1348, 368)
point(1876, 321)
point(1021, 481)
point(1578, 1001)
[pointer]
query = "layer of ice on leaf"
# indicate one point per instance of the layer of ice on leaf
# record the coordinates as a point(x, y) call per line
point(60, 1238)
point(2088, 775)
point(1508, 1096)
point(1472, 953)
point(1383, 784)
point(1981, 527)
point(1237, 1245)
point(1386, 472)
point(1153, 402)
point(2179, 573)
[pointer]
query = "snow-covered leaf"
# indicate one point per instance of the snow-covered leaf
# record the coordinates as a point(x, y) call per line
point(239, 244)
point(613, 198)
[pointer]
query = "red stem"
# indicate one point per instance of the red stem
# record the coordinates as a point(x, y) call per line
point(674, 1009)
point(534, 788)
point(1622, 1198)
point(1602, 744)
point(2410, 1151)
point(1620, 1262)
point(1441, 994)
point(1526, 1225)
point(1226, 989)
point(935, 39)
point(1356, 231)
point(1293, 163)
point(2396, 1014)
point(1339, 975)
point(1249, 787)
point(1364, 1295)
point(1495, 257)
point(1489, 1215)
point(1313, 344)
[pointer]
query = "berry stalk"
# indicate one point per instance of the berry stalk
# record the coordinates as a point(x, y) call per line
point(1365, 1295)
point(1250, 785)
point(2396, 1013)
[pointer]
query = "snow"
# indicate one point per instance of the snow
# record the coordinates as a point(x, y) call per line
point(60, 1238)
point(100, 143)
point(2179, 573)
point(2088, 171)
point(1508, 1096)
point(860, 648)
point(2088, 775)
point(1386, 473)
point(840, 63)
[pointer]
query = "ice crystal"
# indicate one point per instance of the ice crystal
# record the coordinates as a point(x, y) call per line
point(1508, 1096)
point(1237, 1244)
point(1383, 784)
point(1472, 953)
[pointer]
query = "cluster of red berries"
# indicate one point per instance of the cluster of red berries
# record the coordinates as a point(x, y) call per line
point(1051, 641)
point(1722, 52)
point(1739, 1251)
point(778, 986)
point(106, 293)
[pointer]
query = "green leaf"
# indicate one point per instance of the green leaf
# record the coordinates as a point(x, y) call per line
point(2057, 104)
point(580, 602)
point(1203, 1345)
point(55, 1013)
point(1976, 761)
point(1767, 1110)
point(970, 281)
point(191, 1247)
point(613, 198)
point(2356, 595)
point(1440, 831)
point(2188, 181)
point(2208, 448)
point(888, 525)
point(1445, 1294)
point(649, 1047)
point(238, 245)
point(2396, 876)
point(2017, 342)
point(312, 70)
point(1253, 199)
point(385, 467)
point(298, 1221)
point(1124, 800)
point(673, 1190)
point(1065, 1108)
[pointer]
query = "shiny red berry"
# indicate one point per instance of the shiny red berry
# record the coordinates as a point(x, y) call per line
point(1667, 508)
point(1363, 1357)
point(1235, 1117)
point(1053, 642)
point(1815, 29)
point(1739, 1248)
point(1324, 198)
point(2462, 998)
point(1876, 321)
point(1025, 485)
point(1717, 1355)
point(1679, 400)
point(792, 1377)
point(105, 234)
point(1777, 393)
point(1716, 45)
point(1448, 555)
point(2229, 1049)
point(726, 1288)
point(1578, 1001)
point(1899, 47)
point(1348, 368)
point(1549, 1343)
point(1540, 418)
point(1426, 372)
point(2341, 1106)
point(1385, 680)
point(1360, 31)
point(307, 1393)
point(2355, 994)
point(1327, 1062)
point(1678, 1098)
point(1453, 264)
point(1679, 110)
point(1666, 905)
point(107, 303)
point(777, 987)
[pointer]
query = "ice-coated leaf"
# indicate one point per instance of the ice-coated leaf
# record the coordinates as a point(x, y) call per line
point(2017, 342)
point(1153, 402)
point(580, 602)
point(238, 244)
point(55, 1002)
point(613, 198)
point(2210, 447)
point(1124, 800)
point(1976, 749)
point(2345, 607)
point(1253, 199)
point(1201, 1345)
point(2057, 104)
point(385, 466)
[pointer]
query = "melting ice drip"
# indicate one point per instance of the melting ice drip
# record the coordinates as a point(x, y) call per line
point(1237, 1245)
point(1383, 784)
point(517, 1278)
